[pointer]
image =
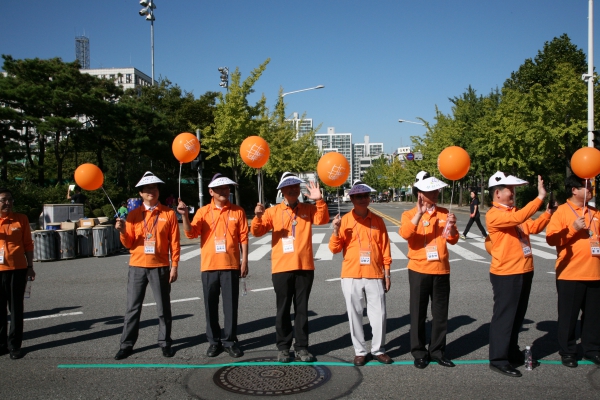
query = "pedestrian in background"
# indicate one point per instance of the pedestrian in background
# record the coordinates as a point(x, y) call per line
point(474, 217)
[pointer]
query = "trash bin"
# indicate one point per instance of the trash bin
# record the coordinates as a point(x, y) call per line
point(65, 243)
point(101, 238)
point(44, 245)
point(85, 242)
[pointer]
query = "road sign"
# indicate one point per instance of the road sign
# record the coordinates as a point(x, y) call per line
point(418, 156)
point(409, 157)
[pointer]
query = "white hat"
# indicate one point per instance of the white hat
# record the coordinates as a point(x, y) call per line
point(289, 179)
point(426, 183)
point(148, 179)
point(360, 187)
point(500, 179)
point(220, 180)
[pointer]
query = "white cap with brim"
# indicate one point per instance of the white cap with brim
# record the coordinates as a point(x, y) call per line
point(360, 187)
point(289, 179)
point(148, 179)
point(220, 180)
point(426, 183)
point(500, 179)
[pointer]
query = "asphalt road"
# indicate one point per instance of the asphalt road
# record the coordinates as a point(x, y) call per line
point(75, 316)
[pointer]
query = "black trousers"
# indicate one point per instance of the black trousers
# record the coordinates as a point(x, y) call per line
point(511, 297)
point(479, 225)
point(575, 296)
point(138, 280)
point(214, 283)
point(292, 287)
point(12, 291)
point(424, 287)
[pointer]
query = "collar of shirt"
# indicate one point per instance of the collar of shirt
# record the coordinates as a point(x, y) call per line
point(357, 217)
point(148, 208)
point(574, 206)
point(503, 206)
point(216, 207)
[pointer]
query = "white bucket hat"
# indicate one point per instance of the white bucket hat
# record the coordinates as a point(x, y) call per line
point(220, 180)
point(289, 179)
point(426, 183)
point(148, 179)
point(360, 187)
point(500, 179)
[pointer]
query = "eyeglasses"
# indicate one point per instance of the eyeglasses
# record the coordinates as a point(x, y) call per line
point(7, 200)
point(362, 196)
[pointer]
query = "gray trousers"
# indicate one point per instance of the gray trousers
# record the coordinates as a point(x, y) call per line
point(136, 290)
point(214, 283)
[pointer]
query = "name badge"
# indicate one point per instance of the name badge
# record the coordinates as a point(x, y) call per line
point(595, 246)
point(149, 247)
point(365, 257)
point(220, 246)
point(288, 244)
point(432, 253)
point(2, 255)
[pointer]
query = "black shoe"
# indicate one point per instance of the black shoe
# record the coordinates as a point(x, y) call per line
point(443, 361)
point(595, 359)
point(569, 361)
point(214, 350)
point(234, 351)
point(167, 351)
point(421, 363)
point(16, 354)
point(124, 353)
point(506, 370)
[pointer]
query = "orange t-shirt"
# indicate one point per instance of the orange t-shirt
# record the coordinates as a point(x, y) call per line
point(373, 237)
point(502, 224)
point(575, 261)
point(211, 224)
point(15, 239)
point(279, 219)
point(162, 224)
point(421, 236)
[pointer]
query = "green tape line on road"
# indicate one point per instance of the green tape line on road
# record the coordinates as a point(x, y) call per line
point(267, 363)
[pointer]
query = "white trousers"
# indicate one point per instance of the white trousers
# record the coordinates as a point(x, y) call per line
point(371, 290)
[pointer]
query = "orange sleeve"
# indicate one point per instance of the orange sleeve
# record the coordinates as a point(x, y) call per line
point(243, 220)
point(539, 224)
point(407, 229)
point(510, 219)
point(321, 216)
point(385, 245)
point(128, 236)
point(175, 238)
point(263, 225)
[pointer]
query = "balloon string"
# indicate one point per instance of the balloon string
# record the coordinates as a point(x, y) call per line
point(584, 200)
point(451, 196)
point(179, 195)
point(111, 203)
point(338, 203)
point(259, 183)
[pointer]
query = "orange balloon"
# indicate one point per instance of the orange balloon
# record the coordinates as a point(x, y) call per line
point(585, 162)
point(186, 147)
point(255, 151)
point(89, 177)
point(333, 169)
point(453, 163)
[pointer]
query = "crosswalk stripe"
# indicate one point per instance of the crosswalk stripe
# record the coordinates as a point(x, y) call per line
point(396, 238)
point(323, 253)
point(397, 254)
point(189, 255)
point(464, 253)
point(264, 240)
point(259, 253)
point(317, 237)
point(543, 254)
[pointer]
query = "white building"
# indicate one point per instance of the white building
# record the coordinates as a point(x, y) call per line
point(363, 155)
point(340, 142)
point(302, 126)
point(127, 78)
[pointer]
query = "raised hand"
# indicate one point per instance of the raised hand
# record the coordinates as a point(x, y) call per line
point(182, 208)
point(259, 210)
point(314, 193)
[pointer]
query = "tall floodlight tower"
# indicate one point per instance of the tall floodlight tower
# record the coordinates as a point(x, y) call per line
point(82, 51)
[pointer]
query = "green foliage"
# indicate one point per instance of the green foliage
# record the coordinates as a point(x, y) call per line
point(108, 211)
point(97, 213)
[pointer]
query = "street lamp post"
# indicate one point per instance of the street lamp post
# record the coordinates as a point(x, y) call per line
point(410, 122)
point(148, 12)
point(303, 90)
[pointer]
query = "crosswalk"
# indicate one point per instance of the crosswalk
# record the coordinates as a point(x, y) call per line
point(472, 249)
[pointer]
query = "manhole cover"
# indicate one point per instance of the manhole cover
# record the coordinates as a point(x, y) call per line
point(271, 380)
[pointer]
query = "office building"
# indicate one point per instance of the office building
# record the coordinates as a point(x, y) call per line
point(303, 126)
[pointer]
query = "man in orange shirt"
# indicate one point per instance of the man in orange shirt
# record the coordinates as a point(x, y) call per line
point(511, 269)
point(292, 263)
point(574, 229)
point(363, 238)
point(16, 267)
point(223, 229)
point(151, 234)
point(428, 228)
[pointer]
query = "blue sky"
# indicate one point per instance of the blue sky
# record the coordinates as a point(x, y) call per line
point(379, 60)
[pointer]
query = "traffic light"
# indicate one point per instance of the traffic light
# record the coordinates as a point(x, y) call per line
point(196, 163)
point(224, 77)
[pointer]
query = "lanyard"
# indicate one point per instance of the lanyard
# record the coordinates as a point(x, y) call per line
point(590, 227)
point(425, 232)
point(147, 232)
point(214, 224)
point(292, 218)
point(358, 233)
